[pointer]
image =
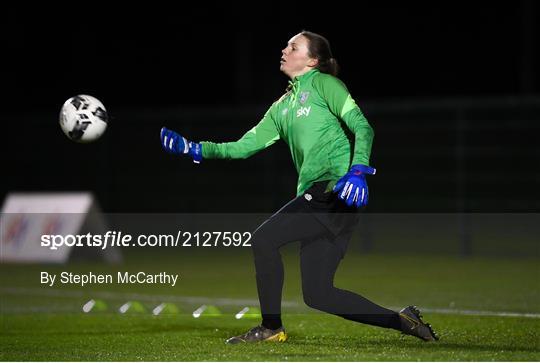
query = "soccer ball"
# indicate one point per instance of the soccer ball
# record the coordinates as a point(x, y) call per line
point(83, 118)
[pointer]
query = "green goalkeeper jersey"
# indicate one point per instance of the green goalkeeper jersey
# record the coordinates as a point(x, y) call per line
point(312, 118)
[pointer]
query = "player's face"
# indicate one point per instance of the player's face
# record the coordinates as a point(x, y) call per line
point(295, 59)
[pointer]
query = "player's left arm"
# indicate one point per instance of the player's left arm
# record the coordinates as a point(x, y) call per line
point(343, 106)
point(352, 187)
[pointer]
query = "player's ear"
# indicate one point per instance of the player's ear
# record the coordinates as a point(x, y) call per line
point(313, 62)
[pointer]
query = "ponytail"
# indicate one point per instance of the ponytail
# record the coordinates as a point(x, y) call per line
point(329, 66)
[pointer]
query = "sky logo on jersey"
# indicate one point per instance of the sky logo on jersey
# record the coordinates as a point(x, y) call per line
point(303, 97)
point(303, 111)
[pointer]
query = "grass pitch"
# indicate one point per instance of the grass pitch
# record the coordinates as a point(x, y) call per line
point(461, 299)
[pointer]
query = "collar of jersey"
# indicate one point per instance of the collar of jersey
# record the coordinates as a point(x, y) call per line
point(306, 75)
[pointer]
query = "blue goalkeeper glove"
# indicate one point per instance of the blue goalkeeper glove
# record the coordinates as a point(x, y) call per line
point(179, 145)
point(352, 187)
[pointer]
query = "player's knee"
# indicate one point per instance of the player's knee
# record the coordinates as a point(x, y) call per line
point(259, 244)
point(315, 297)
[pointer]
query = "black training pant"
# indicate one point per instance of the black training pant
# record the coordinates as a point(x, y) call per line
point(324, 234)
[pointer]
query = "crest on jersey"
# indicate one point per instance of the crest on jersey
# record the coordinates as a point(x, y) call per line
point(303, 97)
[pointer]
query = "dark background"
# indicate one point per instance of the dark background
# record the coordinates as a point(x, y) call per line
point(452, 91)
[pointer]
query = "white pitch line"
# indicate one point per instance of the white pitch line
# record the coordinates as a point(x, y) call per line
point(482, 312)
point(133, 296)
point(225, 301)
point(39, 309)
point(474, 312)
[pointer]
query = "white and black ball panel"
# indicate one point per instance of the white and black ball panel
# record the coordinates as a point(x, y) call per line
point(83, 118)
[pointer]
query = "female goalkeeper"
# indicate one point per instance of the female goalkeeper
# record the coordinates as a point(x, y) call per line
point(330, 143)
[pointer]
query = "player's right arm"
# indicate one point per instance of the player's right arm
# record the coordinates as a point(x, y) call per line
point(264, 134)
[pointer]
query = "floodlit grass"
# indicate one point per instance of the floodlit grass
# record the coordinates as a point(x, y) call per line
point(111, 337)
point(39, 323)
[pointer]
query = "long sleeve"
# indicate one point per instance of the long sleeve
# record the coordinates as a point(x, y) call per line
point(342, 105)
point(258, 138)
